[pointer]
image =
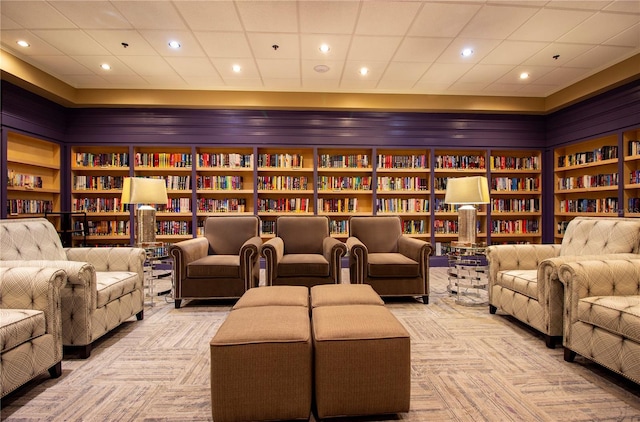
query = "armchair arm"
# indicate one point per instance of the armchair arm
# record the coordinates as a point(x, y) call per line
point(272, 251)
point(185, 252)
point(358, 259)
point(416, 249)
point(35, 288)
point(517, 257)
point(249, 255)
point(78, 273)
point(333, 251)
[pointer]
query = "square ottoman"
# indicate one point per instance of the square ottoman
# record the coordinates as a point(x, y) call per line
point(344, 294)
point(274, 296)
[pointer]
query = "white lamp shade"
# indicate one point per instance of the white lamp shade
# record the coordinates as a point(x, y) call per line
point(467, 190)
point(142, 190)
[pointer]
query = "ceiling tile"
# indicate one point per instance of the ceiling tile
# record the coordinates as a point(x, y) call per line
point(38, 47)
point(148, 66)
point(279, 69)
point(597, 57)
point(112, 40)
point(165, 81)
point(64, 66)
point(268, 16)
point(262, 45)
point(209, 15)
point(159, 40)
point(225, 69)
point(369, 48)
point(566, 53)
point(549, 25)
point(310, 46)
point(93, 63)
point(579, 5)
point(151, 14)
point(560, 76)
point(8, 23)
point(627, 38)
point(224, 44)
point(481, 48)
point(352, 70)
point(485, 73)
point(334, 72)
point(71, 42)
point(384, 18)
point(599, 28)
point(403, 71)
point(329, 17)
point(209, 81)
point(629, 6)
point(35, 15)
point(421, 49)
point(441, 73)
point(191, 66)
point(92, 14)
point(513, 52)
point(442, 19)
point(496, 22)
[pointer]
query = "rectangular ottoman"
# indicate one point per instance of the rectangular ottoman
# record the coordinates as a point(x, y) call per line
point(362, 361)
point(344, 294)
point(274, 296)
point(261, 365)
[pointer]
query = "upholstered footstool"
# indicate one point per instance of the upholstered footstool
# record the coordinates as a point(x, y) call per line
point(261, 365)
point(344, 294)
point(362, 361)
point(274, 296)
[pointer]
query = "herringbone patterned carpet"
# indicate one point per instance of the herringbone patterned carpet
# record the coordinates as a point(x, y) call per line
point(467, 365)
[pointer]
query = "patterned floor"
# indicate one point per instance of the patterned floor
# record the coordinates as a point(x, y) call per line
point(467, 365)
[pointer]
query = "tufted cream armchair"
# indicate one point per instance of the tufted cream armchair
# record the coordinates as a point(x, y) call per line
point(523, 279)
point(104, 286)
point(602, 313)
point(30, 325)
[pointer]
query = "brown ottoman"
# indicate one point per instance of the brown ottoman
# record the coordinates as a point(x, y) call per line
point(344, 294)
point(261, 365)
point(362, 361)
point(274, 296)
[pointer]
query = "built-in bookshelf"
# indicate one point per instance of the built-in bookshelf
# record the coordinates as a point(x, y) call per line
point(631, 197)
point(33, 177)
point(402, 188)
point(516, 196)
point(344, 185)
point(586, 181)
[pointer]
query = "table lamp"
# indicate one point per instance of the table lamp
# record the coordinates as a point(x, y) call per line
point(467, 192)
point(144, 192)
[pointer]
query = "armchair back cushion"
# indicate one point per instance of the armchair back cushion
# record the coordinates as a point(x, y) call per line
point(379, 234)
point(35, 241)
point(227, 235)
point(302, 235)
point(593, 236)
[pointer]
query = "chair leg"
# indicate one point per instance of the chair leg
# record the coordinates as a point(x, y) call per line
point(140, 315)
point(83, 351)
point(177, 303)
point(56, 370)
point(551, 341)
point(492, 309)
point(425, 299)
point(569, 355)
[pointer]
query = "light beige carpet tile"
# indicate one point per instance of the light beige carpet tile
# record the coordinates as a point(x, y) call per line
point(467, 365)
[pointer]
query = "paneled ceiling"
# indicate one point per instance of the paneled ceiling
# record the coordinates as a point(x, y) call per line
point(409, 47)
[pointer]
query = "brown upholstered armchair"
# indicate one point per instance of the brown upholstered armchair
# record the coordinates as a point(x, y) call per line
point(224, 263)
point(392, 263)
point(303, 253)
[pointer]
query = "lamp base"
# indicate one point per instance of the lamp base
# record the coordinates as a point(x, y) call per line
point(146, 224)
point(467, 227)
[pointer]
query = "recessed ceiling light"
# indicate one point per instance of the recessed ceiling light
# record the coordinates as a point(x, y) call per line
point(236, 68)
point(524, 75)
point(467, 52)
point(364, 71)
point(321, 68)
point(105, 66)
point(325, 48)
point(23, 43)
point(174, 44)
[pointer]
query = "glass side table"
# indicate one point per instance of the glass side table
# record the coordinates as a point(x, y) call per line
point(468, 274)
point(157, 265)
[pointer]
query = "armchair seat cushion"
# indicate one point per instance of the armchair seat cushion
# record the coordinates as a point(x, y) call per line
point(524, 282)
point(115, 284)
point(619, 315)
point(215, 266)
point(20, 326)
point(302, 264)
point(392, 265)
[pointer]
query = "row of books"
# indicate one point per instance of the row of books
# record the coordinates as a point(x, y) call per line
point(224, 160)
point(104, 227)
point(164, 227)
point(28, 181)
point(280, 160)
point(514, 226)
point(344, 182)
point(178, 205)
point(222, 205)
point(284, 205)
point(107, 159)
point(515, 163)
point(162, 160)
point(28, 206)
point(605, 205)
point(402, 161)
point(267, 226)
point(606, 152)
point(81, 182)
point(404, 205)
point(343, 161)
point(512, 184)
point(633, 205)
point(460, 162)
point(588, 181)
point(98, 205)
point(178, 182)
point(515, 205)
point(220, 182)
point(283, 182)
point(414, 226)
point(633, 147)
point(339, 227)
point(634, 177)
point(402, 183)
point(338, 205)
